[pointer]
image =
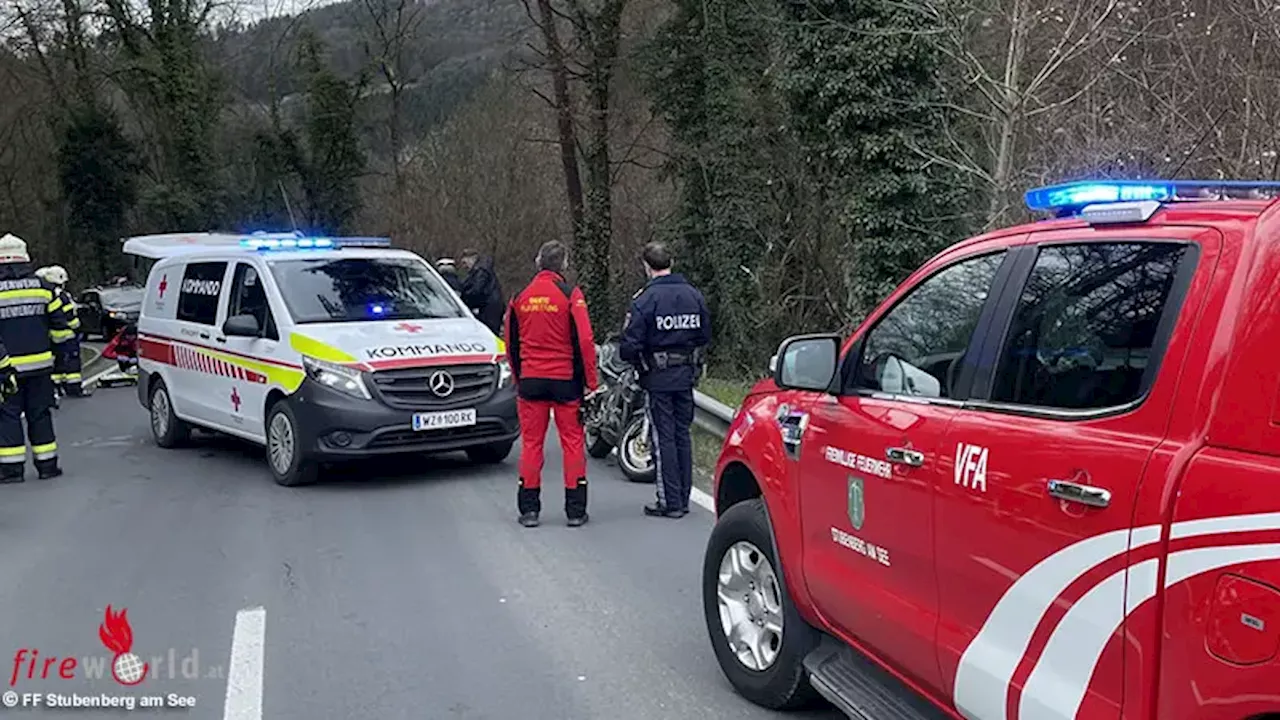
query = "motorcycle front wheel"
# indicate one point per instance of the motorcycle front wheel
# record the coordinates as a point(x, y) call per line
point(635, 452)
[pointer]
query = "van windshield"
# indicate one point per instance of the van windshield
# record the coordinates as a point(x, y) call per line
point(361, 289)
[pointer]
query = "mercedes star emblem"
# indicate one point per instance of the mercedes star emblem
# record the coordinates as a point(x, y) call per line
point(441, 383)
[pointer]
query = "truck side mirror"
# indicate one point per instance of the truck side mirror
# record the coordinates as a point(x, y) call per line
point(807, 362)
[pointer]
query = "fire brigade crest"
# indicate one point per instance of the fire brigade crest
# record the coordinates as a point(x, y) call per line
point(857, 502)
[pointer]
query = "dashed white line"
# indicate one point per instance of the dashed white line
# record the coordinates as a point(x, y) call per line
point(244, 678)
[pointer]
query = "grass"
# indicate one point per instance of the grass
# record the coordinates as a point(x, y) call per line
point(729, 392)
point(706, 450)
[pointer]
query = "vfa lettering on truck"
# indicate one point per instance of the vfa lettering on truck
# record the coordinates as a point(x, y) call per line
point(679, 322)
point(193, 286)
point(426, 350)
point(971, 466)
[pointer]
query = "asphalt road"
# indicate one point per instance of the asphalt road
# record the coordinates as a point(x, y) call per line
point(388, 593)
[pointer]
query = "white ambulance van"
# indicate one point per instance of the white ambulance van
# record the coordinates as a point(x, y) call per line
point(319, 349)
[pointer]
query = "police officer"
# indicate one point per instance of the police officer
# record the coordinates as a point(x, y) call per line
point(66, 362)
point(33, 323)
point(665, 334)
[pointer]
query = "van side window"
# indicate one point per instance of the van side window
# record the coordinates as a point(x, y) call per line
point(1084, 331)
point(201, 288)
point(917, 347)
point(249, 298)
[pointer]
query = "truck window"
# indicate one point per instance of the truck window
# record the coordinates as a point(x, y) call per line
point(201, 288)
point(1084, 330)
point(916, 347)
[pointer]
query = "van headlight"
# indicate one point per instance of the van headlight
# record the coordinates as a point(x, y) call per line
point(504, 374)
point(338, 377)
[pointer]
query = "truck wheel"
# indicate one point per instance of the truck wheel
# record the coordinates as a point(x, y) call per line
point(284, 456)
point(489, 454)
point(759, 639)
point(169, 430)
point(635, 453)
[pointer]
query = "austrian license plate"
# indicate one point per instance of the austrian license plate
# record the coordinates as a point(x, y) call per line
point(445, 419)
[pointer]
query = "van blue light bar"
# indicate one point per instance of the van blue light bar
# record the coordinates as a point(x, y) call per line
point(1067, 198)
point(305, 243)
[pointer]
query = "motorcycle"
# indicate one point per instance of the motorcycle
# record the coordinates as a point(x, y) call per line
point(616, 418)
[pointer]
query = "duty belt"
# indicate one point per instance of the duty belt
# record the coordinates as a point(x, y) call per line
point(667, 359)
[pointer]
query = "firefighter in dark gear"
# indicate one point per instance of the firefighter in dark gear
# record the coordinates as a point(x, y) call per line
point(665, 335)
point(66, 361)
point(449, 271)
point(553, 358)
point(33, 323)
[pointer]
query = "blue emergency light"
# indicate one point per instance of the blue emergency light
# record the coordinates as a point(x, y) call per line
point(1069, 198)
point(306, 243)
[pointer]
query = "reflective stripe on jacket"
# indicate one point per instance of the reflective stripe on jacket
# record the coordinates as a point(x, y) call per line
point(33, 318)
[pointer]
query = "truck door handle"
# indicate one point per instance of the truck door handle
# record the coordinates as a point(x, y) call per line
point(903, 456)
point(1077, 493)
point(204, 336)
point(221, 339)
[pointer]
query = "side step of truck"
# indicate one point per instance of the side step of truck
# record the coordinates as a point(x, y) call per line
point(860, 689)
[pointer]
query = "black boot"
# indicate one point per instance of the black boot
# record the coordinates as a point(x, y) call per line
point(528, 504)
point(46, 471)
point(575, 504)
point(658, 510)
point(12, 473)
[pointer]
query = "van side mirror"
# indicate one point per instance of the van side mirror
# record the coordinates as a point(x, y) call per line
point(807, 362)
point(242, 326)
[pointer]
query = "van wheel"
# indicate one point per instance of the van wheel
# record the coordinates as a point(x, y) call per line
point(759, 639)
point(489, 454)
point(169, 430)
point(284, 456)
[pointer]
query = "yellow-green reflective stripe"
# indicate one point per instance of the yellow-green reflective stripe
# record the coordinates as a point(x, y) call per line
point(61, 335)
point(55, 305)
point(35, 294)
point(46, 448)
point(6, 362)
point(71, 377)
point(74, 324)
point(21, 360)
point(12, 451)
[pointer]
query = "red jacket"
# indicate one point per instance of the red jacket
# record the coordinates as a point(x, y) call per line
point(549, 363)
point(124, 344)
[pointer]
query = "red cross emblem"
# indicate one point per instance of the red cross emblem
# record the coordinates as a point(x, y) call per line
point(164, 283)
point(407, 327)
point(235, 399)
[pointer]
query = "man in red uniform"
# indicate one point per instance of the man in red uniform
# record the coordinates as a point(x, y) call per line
point(553, 355)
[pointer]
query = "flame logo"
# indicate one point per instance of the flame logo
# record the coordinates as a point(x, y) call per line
point(117, 636)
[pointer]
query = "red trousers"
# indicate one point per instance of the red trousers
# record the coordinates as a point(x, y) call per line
point(535, 417)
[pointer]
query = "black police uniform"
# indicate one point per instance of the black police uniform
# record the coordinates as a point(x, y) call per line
point(66, 360)
point(33, 323)
point(666, 329)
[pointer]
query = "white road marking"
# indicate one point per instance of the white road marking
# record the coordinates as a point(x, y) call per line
point(703, 500)
point(94, 380)
point(244, 679)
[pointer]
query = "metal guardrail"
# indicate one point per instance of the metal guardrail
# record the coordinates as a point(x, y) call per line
point(712, 415)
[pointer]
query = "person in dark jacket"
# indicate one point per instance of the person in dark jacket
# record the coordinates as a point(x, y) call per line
point(553, 356)
point(449, 272)
point(32, 328)
point(481, 291)
point(664, 334)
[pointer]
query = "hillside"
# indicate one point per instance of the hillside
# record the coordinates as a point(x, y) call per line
point(458, 44)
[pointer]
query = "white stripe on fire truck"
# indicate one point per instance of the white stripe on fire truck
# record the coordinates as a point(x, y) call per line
point(988, 664)
point(1058, 692)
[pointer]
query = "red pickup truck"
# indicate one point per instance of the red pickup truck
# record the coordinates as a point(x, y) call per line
point(1041, 481)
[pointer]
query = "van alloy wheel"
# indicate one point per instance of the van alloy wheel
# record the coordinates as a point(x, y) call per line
point(750, 606)
point(160, 412)
point(280, 444)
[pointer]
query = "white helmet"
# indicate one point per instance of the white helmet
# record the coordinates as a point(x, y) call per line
point(13, 249)
point(53, 274)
